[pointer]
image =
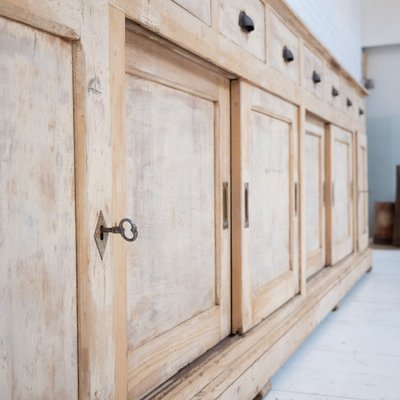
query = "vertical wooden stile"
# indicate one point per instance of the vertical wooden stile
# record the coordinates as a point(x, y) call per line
point(118, 249)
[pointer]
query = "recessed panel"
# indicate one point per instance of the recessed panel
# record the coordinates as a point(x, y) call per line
point(313, 193)
point(38, 324)
point(269, 198)
point(341, 210)
point(170, 191)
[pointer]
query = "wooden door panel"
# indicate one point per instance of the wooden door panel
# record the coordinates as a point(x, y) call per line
point(269, 200)
point(340, 194)
point(265, 246)
point(177, 159)
point(362, 177)
point(176, 216)
point(315, 196)
point(38, 337)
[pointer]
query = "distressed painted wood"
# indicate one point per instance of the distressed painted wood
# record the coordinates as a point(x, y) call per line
point(340, 194)
point(152, 142)
point(38, 331)
point(313, 64)
point(280, 36)
point(177, 158)
point(97, 345)
point(229, 11)
point(362, 191)
point(199, 8)
point(315, 184)
point(265, 144)
point(62, 18)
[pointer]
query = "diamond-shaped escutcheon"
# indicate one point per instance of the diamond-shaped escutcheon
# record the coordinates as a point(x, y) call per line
point(101, 237)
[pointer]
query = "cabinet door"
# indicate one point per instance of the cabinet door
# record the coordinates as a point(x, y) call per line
point(38, 338)
point(340, 194)
point(175, 152)
point(314, 165)
point(265, 195)
point(362, 178)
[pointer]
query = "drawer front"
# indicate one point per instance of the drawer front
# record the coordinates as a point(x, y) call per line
point(333, 92)
point(359, 109)
point(281, 37)
point(199, 8)
point(314, 73)
point(253, 41)
point(348, 100)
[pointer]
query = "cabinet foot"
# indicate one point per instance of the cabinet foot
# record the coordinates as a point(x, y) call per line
point(336, 308)
point(264, 391)
point(369, 269)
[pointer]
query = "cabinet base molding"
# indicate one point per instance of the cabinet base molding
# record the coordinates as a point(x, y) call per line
point(241, 365)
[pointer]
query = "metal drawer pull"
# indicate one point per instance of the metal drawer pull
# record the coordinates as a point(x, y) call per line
point(349, 102)
point(225, 211)
point(287, 55)
point(245, 22)
point(360, 111)
point(316, 77)
point(246, 205)
point(335, 92)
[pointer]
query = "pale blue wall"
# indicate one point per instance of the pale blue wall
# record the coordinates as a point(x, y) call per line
point(383, 123)
point(383, 156)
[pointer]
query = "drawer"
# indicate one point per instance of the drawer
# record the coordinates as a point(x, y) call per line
point(314, 73)
point(199, 8)
point(359, 111)
point(348, 100)
point(283, 42)
point(251, 41)
point(333, 93)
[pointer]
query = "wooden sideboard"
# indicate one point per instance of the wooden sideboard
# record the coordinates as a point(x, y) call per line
point(236, 143)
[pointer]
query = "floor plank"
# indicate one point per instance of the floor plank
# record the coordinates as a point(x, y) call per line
point(355, 352)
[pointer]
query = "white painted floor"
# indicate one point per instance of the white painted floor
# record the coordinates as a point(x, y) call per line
point(355, 352)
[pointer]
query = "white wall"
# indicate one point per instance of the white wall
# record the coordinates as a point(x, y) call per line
point(383, 66)
point(337, 24)
point(380, 22)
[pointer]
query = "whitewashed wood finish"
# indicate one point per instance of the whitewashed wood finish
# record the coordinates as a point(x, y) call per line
point(347, 92)
point(332, 80)
point(313, 63)
point(61, 18)
point(199, 8)
point(97, 278)
point(340, 192)
point(315, 218)
point(279, 36)
point(100, 181)
point(266, 271)
point(38, 332)
point(177, 156)
point(362, 190)
point(355, 352)
point(254, 41)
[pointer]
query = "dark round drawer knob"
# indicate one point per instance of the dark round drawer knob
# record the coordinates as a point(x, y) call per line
point(245, 22)
point(316, 77)
point(335, 92)
point(349, 102)
point(287, 55)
